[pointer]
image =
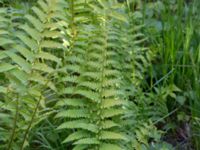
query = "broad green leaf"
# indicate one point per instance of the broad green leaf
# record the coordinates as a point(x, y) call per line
point(3, 89)
point(39, 13)
point(28, 41)
point(72, 102)
point(51, 34)
point(31, 32)
point(20, 61)
point(78, 124)
point(74, 113)
point(43, 5)
point(108, 135)
point(76, 135)
point(25, 52)
point(42, 80)
point(106, 146)
point(43, 67)
point(6, 67)
point(107, 103)
point(35, 22)
point(2, 32)
point(51, 44)
point(87, 141)
point(20, 75)
point(109, 124)
point(5, 41)
point(107, 113)
point(48, 56)
point(118, 16)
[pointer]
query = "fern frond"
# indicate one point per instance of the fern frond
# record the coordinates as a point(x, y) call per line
point(109, 124)
point(79, 124)
point(72, 102)
point(76, 135)
point(107, 103)
point(28, 67)
point(74, 113)
point(108, 135)
point(87, 141)
point(111, 112)
point(106, 146)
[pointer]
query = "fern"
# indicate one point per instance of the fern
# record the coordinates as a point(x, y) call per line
point(86, 58)
point(31, 65)
point(137, 59)
point(91, 91)
point(93, 103)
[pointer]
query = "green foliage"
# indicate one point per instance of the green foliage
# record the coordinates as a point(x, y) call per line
point(74, 54)
point(27, 67)
point(90, 88)
point(173, 28)
point(78, 74)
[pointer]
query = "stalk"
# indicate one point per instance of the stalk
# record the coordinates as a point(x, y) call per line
point(15, 123)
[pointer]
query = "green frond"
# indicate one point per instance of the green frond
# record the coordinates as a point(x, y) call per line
point(36, 35)
point(87, 141)
point(111, 93)
point(111, 112)
point(109, 124)
point(75, 59)
point(4, 67)
point(29, 55)
point(79, 124)
point(26, 40)
point(106, 146)
point(28, 69)
point(73, 68)
point(36, 77)
point(108, 135)
point(43, 67)
point(48, 56)
point(72, 79)
point(72, 102)
point(90, 85)
point(80, 147)
point(93, 64)
point(89, 94)
point(111, 82)
point(20, 75)
point(92, 75)
point(109, 72)
point(69, 90)
point(20, 61)
point(74, 113)
point(79, 61)
point(35, 22)
point(76, 135)
point(107, 103)
point(3, 89)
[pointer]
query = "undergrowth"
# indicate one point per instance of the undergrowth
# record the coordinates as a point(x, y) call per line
point(99, 75)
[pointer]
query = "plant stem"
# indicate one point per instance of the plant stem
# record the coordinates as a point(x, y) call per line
point(15, 123)
point(29, 126)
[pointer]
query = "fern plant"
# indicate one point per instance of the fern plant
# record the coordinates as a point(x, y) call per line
point(81, 60)
point(135, 58)
point(30, 66)
point(91, 96)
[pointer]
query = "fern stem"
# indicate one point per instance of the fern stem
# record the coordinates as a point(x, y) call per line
point(31, 122)
point(102, 80)
point(72, 21)
point(33, 116)
point(15, 123)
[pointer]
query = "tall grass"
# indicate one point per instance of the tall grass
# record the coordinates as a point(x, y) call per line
point(178, 45)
